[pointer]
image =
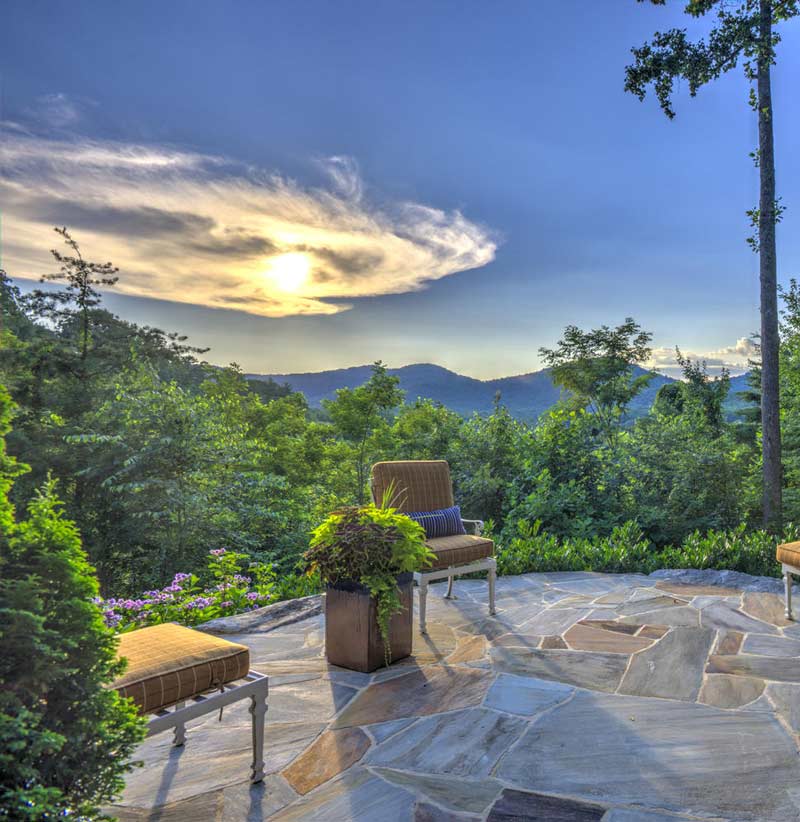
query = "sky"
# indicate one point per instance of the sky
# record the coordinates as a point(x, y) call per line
point(311, 185)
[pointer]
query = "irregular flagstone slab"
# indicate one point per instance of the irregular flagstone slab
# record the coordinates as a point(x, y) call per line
point(247, 802)
point(513, 806)
point(602, 584)
point(586, 669)
point(309, 700)
point(765, 645)
point(469, 649)
point(722, 616)
point(660, 754)
point(766, 607)
point(609, 625)
point(637, 815)
point(727, 579)
point(729, 642)
point(586, 638)
point(463, 743)
point(268, 618)
point(422, 692)
point(329, 755)
point(573, 602)
point(683, 615)
point(554, 621)
point(689, 591)
point(602, 614)
point(471, 795)
point(525, 696)
point(203, 806)
point(550, 642)
point(779, 669)
point(384, 730)
point(653, 604)
point(725, 691)
point(673, 668)
point(357, 796)
point(785, 696)
point(425, 812)
point(216, 754)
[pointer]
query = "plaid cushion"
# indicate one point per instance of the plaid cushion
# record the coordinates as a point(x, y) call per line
point(443, 523)
point(169, 663)
point(460, 549)
point(789, 553)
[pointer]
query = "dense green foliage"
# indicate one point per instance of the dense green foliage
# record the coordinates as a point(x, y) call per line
point(64, 738)
point(162, 459)
point(370, 545)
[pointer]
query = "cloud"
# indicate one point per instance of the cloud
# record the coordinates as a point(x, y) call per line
point(732, 357)
point(200, 229)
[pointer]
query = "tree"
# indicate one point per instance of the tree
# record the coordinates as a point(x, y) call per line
point(744, 31)
point(596, 367)
point(65, 739)
point(358, 413)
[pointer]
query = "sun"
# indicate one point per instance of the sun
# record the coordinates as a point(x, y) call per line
point(290, 271)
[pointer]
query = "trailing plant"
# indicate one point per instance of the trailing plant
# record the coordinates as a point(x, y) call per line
point(369, 545)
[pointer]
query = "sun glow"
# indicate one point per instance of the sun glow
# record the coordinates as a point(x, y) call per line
point(290, 271)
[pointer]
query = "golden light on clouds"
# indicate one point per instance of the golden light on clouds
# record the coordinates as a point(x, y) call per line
point(192, 228)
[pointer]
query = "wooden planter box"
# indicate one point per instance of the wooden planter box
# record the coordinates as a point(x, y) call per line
point(352, 637)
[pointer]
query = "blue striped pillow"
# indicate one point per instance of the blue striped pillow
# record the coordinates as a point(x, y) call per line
point(445, 522)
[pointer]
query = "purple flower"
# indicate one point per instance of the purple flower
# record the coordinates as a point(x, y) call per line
point(173, 589)
point(252, 596)
point(226, 604)
point(180, 578)
point(217, 552)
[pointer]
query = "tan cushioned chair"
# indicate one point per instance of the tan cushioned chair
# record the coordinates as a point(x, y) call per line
point(169, 665)
point(425, 485)
point(788, 555)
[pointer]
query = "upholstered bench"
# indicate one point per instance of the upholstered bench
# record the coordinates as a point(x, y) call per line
point(169, 665)
point(788, 555)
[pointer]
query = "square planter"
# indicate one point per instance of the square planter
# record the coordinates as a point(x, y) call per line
point(352, 637)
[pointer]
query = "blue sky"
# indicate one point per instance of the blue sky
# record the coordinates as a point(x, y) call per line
point(311, 185)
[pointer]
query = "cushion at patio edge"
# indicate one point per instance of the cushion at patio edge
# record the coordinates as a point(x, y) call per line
point(169, 663)
point(459, 549)
point(789, 553)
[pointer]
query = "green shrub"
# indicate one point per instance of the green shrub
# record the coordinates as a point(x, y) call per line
point(626, 550)
point(65, 740)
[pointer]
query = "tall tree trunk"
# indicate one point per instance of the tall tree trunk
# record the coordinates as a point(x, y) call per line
point(770, 390)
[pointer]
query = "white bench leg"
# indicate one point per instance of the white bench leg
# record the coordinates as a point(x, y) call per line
point(258, 710)
point(179, 736)
point(449, 594)
point(423, 601)
point(787, 581)
point(492, 580)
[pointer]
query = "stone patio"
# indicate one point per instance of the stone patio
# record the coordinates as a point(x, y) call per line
point(588, 697)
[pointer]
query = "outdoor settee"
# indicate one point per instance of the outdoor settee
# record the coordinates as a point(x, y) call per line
point(191, 673)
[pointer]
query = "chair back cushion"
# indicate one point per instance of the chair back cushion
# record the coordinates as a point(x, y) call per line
point(416, 485)
point(442, 523)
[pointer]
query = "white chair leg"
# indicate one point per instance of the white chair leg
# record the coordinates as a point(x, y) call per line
point(179, 735)
point(492, 580)
point(787, 581)
point(258, 710)
point(423, 599)
point(449, 594)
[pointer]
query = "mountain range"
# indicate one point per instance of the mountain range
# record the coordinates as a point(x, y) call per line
point(526, 396)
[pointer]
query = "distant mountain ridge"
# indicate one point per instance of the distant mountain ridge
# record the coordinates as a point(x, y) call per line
point(526, 396)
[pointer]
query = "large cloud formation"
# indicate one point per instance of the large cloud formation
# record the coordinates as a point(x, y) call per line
point(735, 358)
point(200, 229)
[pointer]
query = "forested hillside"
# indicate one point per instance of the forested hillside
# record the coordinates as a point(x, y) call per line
point(161, 458)
point(527, 396)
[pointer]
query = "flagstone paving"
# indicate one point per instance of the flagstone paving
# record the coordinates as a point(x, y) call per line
point(615, 698)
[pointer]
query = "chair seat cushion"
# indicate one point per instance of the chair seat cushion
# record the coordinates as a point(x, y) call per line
point(169, 663)
point(789, 553)
point(460, 549)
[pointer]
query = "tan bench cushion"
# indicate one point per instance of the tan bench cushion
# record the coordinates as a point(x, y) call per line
point(459, 549)
point(789, 553)
point(169, 663)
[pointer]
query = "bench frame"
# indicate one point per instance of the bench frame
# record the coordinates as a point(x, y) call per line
point(254, 685)
point(788, 570)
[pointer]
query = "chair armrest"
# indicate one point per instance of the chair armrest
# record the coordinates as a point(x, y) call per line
point(476, 523)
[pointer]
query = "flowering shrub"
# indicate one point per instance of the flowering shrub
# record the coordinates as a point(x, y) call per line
point(232, 584)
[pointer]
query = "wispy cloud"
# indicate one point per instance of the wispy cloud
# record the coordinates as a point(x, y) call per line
point(194, 228)
point(733, 357)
